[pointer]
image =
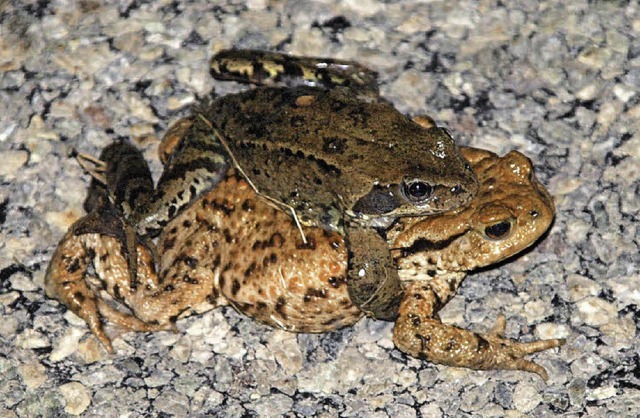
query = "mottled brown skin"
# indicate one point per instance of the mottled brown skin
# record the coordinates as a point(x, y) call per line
point(232, 248)
point(318, 139)
point(510, 212)
point(348, 149)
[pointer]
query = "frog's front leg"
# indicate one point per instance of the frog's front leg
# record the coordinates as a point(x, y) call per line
point(374, 284)
point(272, 68)
point(97, 239)
point(420, 333)
point(197, 164)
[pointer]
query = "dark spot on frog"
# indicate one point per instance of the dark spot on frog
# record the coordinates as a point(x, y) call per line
point(310, 245)
point(483, 344)
point(235, 287)
point(189, 261)
point(79, 297)
point(117, 294)
point(314, 293)
point(452, 345)
point(337, 106)
point(216, 262)
point(261, 306)
point(280, 304)
point(271, 259)
point(74, 266)
point(169, 288)
point(336, 282)
point(326, 167)
point(424, 341)
point(189, 280)
point(248, 206)
point(334, 145)
point(416, 321)
point(276, 240)
point(249, 271)
point(213, 297)
point(297, 121)
point(186, 224)
point(227, 235)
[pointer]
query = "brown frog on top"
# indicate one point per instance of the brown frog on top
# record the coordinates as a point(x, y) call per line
point(331, 151)
point(230, 248)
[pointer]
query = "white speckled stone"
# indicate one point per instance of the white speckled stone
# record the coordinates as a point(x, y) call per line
point(595, 311)
point(77, 397)
point(33, 374)
point(526, 397)
point(12, 161)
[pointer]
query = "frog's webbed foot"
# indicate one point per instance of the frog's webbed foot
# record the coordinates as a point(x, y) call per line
point(419, 334)
point(374, 284)
point(274, 68)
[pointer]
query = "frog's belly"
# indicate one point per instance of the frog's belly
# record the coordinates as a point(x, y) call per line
point(262, 266)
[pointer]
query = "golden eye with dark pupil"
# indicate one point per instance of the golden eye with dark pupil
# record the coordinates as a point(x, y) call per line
point(418, 191)
point(498, 231)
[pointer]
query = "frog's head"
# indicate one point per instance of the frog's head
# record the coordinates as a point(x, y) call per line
point(510, 212)
point(433, 178)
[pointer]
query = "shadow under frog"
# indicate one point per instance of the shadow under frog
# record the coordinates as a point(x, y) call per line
point(331, 150)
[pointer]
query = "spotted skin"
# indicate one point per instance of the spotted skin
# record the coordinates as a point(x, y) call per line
point(230, 248)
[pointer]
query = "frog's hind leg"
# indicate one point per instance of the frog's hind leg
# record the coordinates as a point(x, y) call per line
point(374, 284)
point(274, 68)
point(418, 332)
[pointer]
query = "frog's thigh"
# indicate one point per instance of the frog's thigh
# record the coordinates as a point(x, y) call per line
point(374, 284)
point(427, 338)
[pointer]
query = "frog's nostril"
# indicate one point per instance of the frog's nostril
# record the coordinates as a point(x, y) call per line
point(457, 189)
point(533, 213)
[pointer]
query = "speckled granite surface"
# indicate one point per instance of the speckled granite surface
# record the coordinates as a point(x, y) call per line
point(559, 83)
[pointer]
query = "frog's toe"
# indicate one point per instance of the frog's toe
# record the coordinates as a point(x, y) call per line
point(508, 354)
point(130, 322)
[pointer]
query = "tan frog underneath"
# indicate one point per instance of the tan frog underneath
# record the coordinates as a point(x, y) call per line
point(232, 248)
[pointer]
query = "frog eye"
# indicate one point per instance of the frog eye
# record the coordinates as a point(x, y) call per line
point(498, 231)
point(417, 191)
